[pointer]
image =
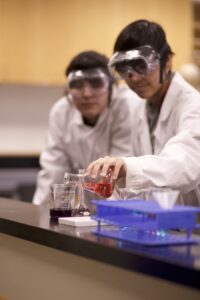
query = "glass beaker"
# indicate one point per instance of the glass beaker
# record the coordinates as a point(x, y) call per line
point(165, 197)
point(132, 193)
point(62, 198)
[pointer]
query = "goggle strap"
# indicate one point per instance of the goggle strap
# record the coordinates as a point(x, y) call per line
point(161, 62)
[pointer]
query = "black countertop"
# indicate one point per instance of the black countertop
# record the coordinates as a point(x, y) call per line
point(179, 264)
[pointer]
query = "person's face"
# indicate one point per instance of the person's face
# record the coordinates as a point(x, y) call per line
point(144, 86)
point(91, 98)
point(140, 69)
point(147, 86)
point(89, 90)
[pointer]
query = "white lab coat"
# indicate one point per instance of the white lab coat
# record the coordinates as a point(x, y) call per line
point(176, 159)
point(72, 145)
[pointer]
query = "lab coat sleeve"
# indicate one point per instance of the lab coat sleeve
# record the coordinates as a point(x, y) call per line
point(177, 165)
point(53, 160)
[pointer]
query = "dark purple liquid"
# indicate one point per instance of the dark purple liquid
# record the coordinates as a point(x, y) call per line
point(56, 213)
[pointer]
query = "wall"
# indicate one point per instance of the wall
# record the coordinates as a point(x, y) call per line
point(24, 117)
point(39, 37)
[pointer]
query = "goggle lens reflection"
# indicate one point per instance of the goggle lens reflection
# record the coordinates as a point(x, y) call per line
point(140, 61)
point(94, 83)
point(136, 66)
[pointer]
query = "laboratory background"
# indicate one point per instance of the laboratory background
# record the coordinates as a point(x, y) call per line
point(38, 39)
point(38, 258)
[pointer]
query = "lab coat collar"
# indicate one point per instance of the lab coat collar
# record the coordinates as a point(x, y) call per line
point(143, 129)
point(166, 109)
point(168, 102)
point(170, 97)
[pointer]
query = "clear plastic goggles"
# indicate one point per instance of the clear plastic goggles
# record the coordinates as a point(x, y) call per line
point(94, 79)
point(139, 61)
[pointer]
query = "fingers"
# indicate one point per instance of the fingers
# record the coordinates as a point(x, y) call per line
point(101, 166)
point(107, 162)
point(120, 169)
point(94, 168)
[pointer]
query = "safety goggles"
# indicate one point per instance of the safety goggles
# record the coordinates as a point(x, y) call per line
point(140, 61)
point(94, 79)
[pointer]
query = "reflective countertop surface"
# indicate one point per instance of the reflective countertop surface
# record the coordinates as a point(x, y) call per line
point(180, 264)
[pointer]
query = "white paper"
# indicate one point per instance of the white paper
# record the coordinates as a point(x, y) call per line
point(78, 221)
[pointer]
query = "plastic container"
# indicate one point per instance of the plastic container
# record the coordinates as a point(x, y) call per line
point(145, 222)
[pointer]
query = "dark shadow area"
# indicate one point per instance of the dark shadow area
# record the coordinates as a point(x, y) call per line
point(18, 177)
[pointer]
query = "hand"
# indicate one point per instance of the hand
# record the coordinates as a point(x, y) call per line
point(101, 166)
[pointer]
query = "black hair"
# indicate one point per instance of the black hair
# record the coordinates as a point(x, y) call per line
point(88, 60)
point(143, 32)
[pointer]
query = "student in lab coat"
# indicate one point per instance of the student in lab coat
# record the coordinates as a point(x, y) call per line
point(93, 119)
point(166, 138)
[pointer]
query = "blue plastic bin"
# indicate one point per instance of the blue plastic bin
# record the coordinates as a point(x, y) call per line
point(146, 223)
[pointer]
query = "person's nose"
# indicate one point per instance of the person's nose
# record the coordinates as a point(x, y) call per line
point(134, 76)
point(87, 91)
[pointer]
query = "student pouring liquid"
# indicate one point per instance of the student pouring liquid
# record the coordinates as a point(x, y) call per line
point(166, 135)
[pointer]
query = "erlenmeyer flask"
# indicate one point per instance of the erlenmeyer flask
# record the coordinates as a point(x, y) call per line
point(101, 185)
point(80, 208)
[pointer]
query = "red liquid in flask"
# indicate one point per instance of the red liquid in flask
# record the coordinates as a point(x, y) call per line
point(103, 186)
point(105, 189)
